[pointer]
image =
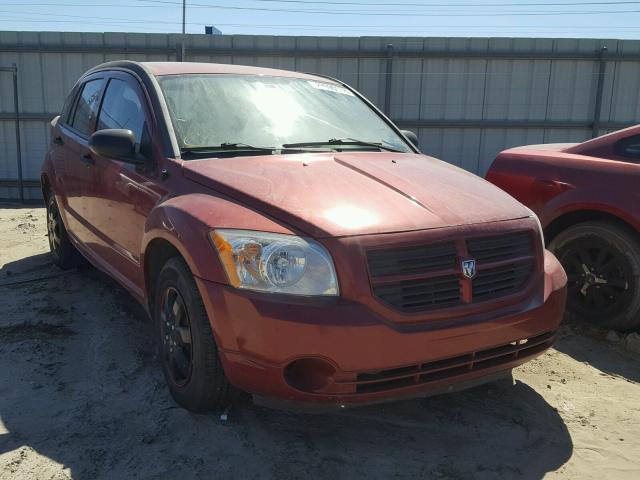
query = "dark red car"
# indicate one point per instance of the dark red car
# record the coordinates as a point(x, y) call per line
point(586, 196)
point(288, 240)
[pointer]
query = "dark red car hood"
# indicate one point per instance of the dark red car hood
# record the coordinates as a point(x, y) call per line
point(338, 194)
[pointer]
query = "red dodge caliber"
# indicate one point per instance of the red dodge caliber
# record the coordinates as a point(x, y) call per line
point(289, 241)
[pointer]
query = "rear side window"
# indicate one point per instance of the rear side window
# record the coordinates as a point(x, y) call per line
point(87, 107)
point(121, 108)
point(628, 147)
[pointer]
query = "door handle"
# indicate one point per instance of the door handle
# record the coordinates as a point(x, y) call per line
point(58, 141)
point(88, 160)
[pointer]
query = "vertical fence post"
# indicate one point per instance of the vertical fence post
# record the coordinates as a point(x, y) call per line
point(18, 146)
point(14, 72)
point(597, 109)
point(387, 80)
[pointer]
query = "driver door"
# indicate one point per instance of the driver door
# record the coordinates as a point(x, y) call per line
point(124, 194)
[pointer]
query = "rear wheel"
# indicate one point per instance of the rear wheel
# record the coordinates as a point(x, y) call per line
point(602, 262)
point(190, 361)
point(63, 252)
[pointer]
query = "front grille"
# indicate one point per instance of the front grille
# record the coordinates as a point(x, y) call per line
point(502, 247)
point(501, 281)
point(418, 374)
point(418, 295)
point(409, 260)
point(505, 264)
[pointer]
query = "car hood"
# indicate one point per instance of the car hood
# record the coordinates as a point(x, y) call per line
point(341, 194)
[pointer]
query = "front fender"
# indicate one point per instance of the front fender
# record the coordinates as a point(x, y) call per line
point(186, 221)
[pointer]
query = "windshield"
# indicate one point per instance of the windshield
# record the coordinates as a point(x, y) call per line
point(264, 111)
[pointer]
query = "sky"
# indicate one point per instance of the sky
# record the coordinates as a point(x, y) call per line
point(459, 18)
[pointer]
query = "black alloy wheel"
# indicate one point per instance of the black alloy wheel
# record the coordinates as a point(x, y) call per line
point(189, 355)
point(63, 252)
point(598, 277)
point(53, 227)
point(175, 334)
point(602, 262)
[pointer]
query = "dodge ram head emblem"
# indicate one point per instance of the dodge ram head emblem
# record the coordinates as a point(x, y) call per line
point(469, 268)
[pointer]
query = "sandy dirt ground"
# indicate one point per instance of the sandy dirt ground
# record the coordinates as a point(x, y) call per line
point(82, 396)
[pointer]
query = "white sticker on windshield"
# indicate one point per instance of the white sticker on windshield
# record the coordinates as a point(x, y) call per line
point(331, 87)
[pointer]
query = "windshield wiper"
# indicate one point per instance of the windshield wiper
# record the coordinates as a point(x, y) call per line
point(243, 147)
point(226, 147)
point(343, 141)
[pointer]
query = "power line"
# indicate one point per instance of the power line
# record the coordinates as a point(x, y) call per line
point(428, 4)
point(308, 27)
point(422, 4)
point(210, 6)
point(406, 14)
point(376, 13)
point(511, 27)
point(24, 4)
point(389, 33)
point(296, 25)
point(311, 27)
point(90, 17)
point(75, 22)
point(369, 4)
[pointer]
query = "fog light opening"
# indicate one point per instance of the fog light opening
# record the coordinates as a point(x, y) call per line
point(309, 374)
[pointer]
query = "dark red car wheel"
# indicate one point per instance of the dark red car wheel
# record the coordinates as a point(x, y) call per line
point(602, 262)
point(63, 252)
point(175, 336)
point(189, 355)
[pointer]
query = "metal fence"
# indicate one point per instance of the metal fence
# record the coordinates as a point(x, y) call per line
point(466, 98)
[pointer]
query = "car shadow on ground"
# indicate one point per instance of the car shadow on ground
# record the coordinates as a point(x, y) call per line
point(29, 269)
point(81, 386)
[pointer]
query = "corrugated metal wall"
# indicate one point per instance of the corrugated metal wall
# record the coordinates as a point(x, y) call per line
point(467, 98)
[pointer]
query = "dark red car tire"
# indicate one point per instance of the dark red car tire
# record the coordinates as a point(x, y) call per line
point(608, 294)
point(64, 254)
point(184, 334)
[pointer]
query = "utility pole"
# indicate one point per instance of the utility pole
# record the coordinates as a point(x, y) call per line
point(184, 39)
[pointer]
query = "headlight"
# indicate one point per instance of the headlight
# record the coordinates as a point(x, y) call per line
point(271, 262)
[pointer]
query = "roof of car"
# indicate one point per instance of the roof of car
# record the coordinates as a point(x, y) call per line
point(158, 69)
point(176, 68)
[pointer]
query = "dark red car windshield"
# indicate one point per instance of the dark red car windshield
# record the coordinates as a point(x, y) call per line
point(266, 111)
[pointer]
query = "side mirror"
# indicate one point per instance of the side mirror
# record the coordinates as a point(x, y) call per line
point(412, 137)
point(116, 143)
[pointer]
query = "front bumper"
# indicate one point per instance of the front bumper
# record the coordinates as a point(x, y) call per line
point(337, 352)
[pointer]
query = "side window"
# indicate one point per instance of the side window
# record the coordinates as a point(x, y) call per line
point(121, 108)
point(628, 147)
point(87, 106)
point(65, 115)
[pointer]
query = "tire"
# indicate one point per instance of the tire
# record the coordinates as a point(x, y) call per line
point(602, 261)
point(64, 254)
point(188, 353)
